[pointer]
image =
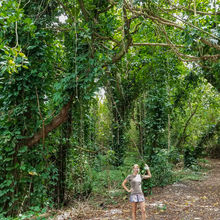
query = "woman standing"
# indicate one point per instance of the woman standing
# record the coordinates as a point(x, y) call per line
point(137, 195)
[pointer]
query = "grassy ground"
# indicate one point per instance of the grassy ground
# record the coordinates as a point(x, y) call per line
point(196, 195)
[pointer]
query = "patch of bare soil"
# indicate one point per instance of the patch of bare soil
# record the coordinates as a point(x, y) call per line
point(188, 200)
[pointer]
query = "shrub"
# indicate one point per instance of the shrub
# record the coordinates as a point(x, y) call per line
point(174, 155)
point(161, 171)
point(190, 157)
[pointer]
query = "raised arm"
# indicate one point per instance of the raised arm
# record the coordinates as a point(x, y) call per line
point(147, 168)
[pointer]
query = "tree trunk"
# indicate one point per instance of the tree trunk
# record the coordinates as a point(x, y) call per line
point(62, 159)
point(141, 128)
point(118, 128)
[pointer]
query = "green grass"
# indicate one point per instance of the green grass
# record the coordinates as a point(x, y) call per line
point(189, 174)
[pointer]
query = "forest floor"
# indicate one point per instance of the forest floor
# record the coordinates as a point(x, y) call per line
point(185, 200)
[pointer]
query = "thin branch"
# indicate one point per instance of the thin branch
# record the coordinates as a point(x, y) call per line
point(189, 57)
point(87, 150)
point(19, 3)
point(16, 34)
point(26, 4)
point(155, 44)
point(190, 10)
point(43, 127)
point(136, 28)
point(207, 42)
point(55, 28)
point(16, 26)
point(106, 9)
point(167, 22)
point(156, 18)
point(41, 13)
point(45, 215)
point(106, 38)
point(84, 11)
point(205, 57)
point(185, 127)
point(25, 197)
point(185, 22)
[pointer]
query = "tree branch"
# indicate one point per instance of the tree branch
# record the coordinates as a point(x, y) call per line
point(16, 26)
point(190, 10)
point(84, 11)
point(155, 18)
point(189, 57)
point(43, 121)
point(127, 39)
point(106, 9)
point(106, 38)
point(167, 22)
point(207, 42)
point(185, 127)
point(56, 122)
point(155, 44)
point(185, 22)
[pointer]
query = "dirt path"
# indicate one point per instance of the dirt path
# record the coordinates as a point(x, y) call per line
point(188, 200)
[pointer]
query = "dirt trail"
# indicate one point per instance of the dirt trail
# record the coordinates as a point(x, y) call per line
point(188, 200)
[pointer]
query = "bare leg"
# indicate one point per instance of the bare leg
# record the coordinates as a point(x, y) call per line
point(143, 211)
point(134, 208)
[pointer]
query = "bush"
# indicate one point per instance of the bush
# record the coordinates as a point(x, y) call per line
point(161, 171)
point(190, 157)
point(79, 179)
point(106, 180)
point(174, 155)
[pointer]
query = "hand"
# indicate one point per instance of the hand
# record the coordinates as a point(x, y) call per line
point(146, 167)
point(130, 190)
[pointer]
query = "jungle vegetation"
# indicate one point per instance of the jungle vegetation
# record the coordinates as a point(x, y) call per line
point(90, 87)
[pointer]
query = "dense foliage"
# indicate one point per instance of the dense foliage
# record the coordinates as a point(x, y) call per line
point(88, 88)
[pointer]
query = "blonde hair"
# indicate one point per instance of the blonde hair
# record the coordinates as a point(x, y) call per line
point(135, 166)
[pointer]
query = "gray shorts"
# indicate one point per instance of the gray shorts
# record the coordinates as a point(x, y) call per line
point(137, 198)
